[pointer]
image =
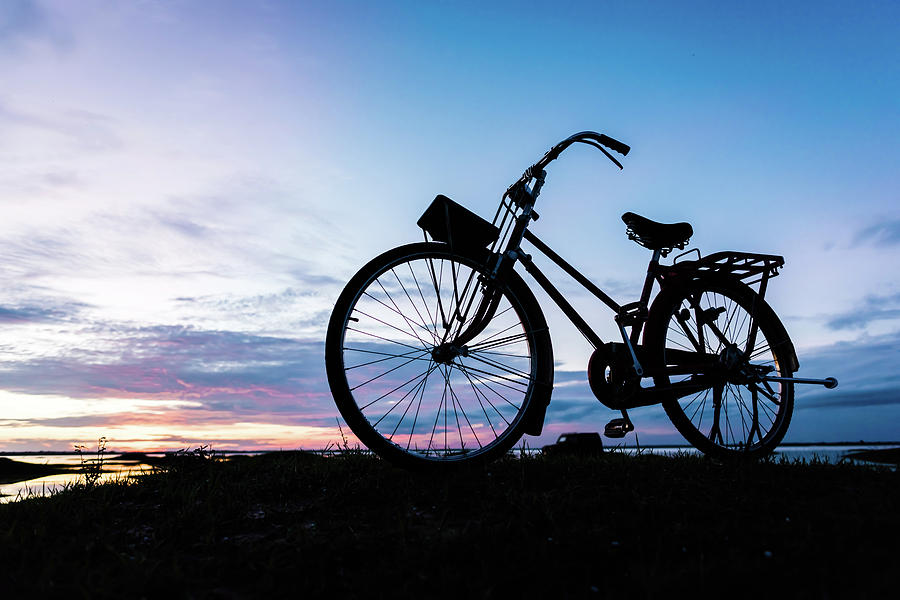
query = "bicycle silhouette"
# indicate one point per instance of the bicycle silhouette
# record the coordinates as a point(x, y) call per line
point(438, 353)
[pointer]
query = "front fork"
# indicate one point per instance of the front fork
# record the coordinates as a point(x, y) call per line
point(484, 313)
point(502, 264)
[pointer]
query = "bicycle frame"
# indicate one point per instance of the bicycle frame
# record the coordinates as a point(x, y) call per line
point(633, 314)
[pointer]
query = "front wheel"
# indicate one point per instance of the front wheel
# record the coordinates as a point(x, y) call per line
point(410, 385)
point(713, 342)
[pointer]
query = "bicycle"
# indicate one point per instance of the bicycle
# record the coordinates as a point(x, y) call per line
point(438, 352)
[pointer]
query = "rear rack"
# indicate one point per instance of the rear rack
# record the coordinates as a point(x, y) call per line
point(743, 265)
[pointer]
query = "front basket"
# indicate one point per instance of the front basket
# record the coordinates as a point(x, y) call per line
point(446, 221)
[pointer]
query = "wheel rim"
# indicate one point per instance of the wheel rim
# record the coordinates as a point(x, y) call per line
point(414, 388)
point(735, 411)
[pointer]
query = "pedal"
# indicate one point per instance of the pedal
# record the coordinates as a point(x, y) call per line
point(617, 428)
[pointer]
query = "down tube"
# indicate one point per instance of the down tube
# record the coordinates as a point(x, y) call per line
point(560, 301)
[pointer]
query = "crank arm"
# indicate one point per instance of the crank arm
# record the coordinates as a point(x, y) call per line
point(828, 382)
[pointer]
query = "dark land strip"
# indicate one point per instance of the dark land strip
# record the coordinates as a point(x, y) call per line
point(299, 525)
point(13, 471)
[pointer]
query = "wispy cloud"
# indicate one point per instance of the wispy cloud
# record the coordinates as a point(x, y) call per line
point(80, 130)
point(219, 370)
point(883, 233)
point(866, 370)
point(872, 308)
point(36, 314)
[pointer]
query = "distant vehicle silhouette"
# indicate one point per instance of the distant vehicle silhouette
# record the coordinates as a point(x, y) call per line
point(438, 353)
point(575, 443)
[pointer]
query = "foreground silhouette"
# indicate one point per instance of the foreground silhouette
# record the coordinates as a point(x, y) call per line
point(438, 353)
point(354, 526)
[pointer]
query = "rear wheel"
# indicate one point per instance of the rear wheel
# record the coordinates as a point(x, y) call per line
point(401, 378)
point(713, 342)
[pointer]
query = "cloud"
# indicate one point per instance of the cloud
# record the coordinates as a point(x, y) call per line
point(873, 308)
point(238, 373)
point(185, 226)
point(866, 370)
point(852, 399)
point(883, 233)
point(83, 131)
point(184, 379)
point(36, 314)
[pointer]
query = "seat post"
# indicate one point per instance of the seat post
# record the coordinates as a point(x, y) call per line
point(645, 295)
point(648, 282)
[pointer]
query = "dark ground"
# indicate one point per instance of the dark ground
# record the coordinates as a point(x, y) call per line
point(299, 525)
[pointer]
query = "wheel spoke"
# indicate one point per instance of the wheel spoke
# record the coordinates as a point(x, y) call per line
point(424, 302)
point(496, 393)
point(421, 322)
point(498, 343)
point(418, 389)
point(388, 357)
point(496, 365)
point(396, 309)
point(382, 338)
point(412, 335)
point(478, 395)
point(400, 401)
point(495, 376)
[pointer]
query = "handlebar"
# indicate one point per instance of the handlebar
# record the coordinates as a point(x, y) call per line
point(616, 145)
point(536, 171)
point(591, 138)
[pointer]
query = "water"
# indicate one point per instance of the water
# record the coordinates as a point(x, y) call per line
point(44, 486)
point(114, 468)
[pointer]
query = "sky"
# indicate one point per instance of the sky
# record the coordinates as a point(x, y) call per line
point(185, 187)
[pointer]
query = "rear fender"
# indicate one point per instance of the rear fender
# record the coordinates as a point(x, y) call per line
point(681, 281)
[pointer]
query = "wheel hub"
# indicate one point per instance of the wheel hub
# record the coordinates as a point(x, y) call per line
point(737, 367)
point(445, 353)
point(731, 358)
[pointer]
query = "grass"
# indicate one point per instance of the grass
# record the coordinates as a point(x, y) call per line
point(353, 526)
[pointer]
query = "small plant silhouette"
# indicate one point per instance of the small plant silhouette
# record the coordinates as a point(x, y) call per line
point(344, 448)
point(189, 460)
point(92, 468)
point(200, 453)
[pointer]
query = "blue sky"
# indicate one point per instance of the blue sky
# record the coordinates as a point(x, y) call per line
point(186, 186)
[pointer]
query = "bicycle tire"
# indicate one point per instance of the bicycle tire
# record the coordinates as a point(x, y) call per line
point(509, 365)
point(756, 415)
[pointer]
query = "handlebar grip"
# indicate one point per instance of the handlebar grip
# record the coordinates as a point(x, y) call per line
point(616, 145)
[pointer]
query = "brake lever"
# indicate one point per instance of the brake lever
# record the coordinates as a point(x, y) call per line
point(604, 151)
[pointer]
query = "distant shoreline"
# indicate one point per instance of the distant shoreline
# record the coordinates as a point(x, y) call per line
point(113, 452)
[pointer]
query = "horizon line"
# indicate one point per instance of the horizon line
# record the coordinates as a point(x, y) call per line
point(337, 449)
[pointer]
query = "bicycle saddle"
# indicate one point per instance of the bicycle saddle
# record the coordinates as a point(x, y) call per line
point(657, 236)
